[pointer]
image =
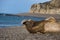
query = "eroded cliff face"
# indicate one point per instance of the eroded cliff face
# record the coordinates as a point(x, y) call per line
point(50, 7)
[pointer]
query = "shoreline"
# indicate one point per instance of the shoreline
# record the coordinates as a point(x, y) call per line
point(20, 32)
point(32, 14)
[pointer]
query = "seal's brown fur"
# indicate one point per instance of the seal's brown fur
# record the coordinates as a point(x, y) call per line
point(39, 26)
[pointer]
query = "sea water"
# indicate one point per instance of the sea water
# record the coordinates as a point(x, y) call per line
point(7, 21)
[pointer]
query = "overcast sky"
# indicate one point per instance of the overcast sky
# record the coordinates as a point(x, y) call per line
point(17, 6)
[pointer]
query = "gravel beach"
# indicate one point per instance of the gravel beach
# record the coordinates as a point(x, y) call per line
point(20, 33)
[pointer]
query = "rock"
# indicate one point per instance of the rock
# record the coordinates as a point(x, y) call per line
point(50, 7)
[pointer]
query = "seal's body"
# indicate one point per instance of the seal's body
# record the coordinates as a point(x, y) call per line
point(52, 27)
point(47, 25)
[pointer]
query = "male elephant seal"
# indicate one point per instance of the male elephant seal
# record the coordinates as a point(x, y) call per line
point(43, 26)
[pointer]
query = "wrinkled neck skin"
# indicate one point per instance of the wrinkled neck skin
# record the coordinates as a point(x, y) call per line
point(28, 26)
point(36, 23)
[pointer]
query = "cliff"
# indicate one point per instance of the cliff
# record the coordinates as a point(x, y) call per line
point(50, 7)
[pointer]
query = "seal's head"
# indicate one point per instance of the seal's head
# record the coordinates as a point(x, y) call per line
point(27, 22)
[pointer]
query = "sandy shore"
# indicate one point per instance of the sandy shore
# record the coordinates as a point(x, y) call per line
point(20, 33)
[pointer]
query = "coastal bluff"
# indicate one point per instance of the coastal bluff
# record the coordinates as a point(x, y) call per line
point(49, 7)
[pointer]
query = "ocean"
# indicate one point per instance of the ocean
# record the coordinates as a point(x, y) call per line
point(8, 21)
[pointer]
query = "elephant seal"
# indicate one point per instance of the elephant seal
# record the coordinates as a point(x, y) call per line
point(48, 25)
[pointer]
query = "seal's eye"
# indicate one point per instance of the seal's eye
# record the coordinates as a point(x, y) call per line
point(24, 23)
